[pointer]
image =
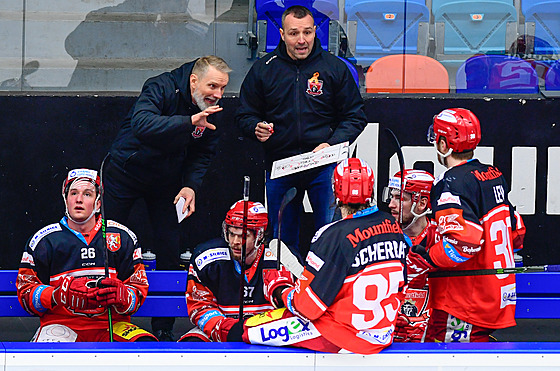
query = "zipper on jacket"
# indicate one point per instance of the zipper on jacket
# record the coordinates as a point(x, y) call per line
point(298, 111)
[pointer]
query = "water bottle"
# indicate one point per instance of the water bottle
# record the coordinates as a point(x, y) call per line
point(149, 260)
point(518, 260)
point(185, 259)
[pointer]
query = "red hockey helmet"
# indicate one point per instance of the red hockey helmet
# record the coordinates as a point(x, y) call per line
point(257, 219)
point(80, 174)
point(416, 182)
point(459, 126)
point(353, 182)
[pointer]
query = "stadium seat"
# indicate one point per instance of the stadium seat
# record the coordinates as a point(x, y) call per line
point(353, 70)
point(468, 27)
point(421, 75)
point(269, 15)
point(496, 74)
point(377, 28)
point(552, 79)
point(542, 21)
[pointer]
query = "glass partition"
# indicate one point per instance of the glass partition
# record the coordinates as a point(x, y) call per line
point(393, 46)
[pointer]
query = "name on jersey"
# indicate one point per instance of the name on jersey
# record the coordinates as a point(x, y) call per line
point(491, 173)
point(212, 255)
point(363, 234)
point(380, 251)
point(42, 233)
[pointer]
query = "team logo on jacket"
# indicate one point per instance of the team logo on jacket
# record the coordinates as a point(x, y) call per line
point(314, 85)
point(198, 131)
point(113, 241)
point(448, 223)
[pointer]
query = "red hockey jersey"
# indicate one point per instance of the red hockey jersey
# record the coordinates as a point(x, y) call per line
point(479, 230)
point(352, 284)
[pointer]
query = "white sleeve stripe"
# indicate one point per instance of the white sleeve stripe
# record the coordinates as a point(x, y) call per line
point(495, 211)
point(392, 264)
point(315, 299)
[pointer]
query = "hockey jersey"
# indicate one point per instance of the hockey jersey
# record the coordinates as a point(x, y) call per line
point(56, 251)
point(353, 279)
point(214, 281)
point(480, 229)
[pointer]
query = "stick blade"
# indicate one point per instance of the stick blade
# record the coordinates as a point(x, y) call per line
point(287, 258)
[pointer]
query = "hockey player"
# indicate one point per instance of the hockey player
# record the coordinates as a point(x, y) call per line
point(349, 294)
point(61, 276)
point(214, 277)
point(415, 311)
point(479, 230)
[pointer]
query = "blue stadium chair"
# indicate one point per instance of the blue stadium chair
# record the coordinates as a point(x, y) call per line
point(468, 27)
point(353, 70)
point(496, 74)
point(383, 27)
point(542, 21)
point(269, 15)
point(552, 79)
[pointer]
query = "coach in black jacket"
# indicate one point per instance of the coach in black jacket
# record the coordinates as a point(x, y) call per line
point(297, 99)
point(162, 151)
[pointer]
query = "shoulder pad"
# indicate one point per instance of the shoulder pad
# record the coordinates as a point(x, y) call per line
point(112, 223)
point(211, 255)
point(55, 227)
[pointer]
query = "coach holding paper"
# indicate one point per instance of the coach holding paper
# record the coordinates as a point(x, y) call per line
point(162, 151)
point(299, 98)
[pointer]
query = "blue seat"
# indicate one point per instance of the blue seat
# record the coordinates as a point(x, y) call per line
point(542, 21)
point(268, 10)
point(552, 79)
point(385, 27)
point(496, 74)
point(467, 27)
point(353, 70)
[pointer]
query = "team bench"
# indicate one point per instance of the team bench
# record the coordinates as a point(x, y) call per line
point(166, 295)
point(538, 295)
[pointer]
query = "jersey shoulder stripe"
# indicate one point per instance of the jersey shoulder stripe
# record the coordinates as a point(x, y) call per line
point(55, 227)
point(112, 223)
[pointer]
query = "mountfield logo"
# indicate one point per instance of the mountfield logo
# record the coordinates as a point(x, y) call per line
point(491, 173)
point(364, 234)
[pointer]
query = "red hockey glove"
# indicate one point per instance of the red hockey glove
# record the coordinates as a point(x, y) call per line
point(410, 329)
point(276, 279)
point(114, 292)
point(228, 329)
point(75, 294)
point(420, 260)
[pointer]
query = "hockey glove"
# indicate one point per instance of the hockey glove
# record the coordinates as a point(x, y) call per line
point(114, 292)
point(419, 257)
point(75, 294)
point(275, 281)
point(228, 329)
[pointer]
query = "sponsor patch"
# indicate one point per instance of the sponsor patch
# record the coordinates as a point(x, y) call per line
point(27, 258)
point(112, 223)
point(314, 261)
point(509, 295)
point(381, 336)
point(448, 223)
point(448, 198)
point(42, 233)
point(212, 255)
point(113, 241)
point(314, 85)
point(452, 254)
point(283, 332)
point(137, 254)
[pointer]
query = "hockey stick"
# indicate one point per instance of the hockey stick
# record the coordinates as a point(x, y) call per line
point(400, 157)
point(104, 236)
point(288, 259)
point(488, 272)
point(246, 184)
point(288, 196)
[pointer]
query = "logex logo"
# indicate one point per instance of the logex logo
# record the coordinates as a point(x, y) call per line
point(287, 331)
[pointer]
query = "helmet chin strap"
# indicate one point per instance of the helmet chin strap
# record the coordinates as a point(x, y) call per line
point(415, 215)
